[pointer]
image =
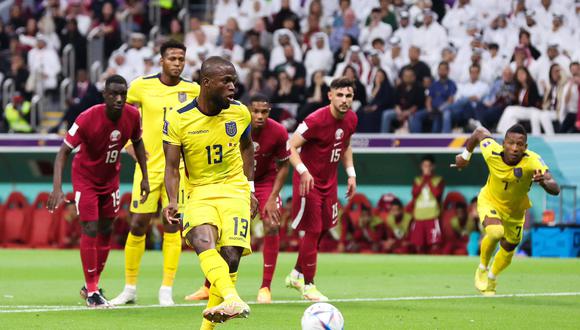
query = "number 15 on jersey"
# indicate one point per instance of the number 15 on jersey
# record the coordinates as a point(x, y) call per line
point(335, 155)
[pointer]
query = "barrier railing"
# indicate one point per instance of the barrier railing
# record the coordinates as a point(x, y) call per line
point(36, 111)
point(95, 72)
point(8, 90)
point(68, 61)
point(65, 92)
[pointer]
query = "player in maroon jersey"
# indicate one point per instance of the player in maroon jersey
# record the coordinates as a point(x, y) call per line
point(101, 132)
point(271, 153)
point(324, 139)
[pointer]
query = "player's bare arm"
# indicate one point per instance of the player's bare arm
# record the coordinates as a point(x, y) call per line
point(172, 156)
point(247, 150)
point(57, 196)
point(306, 180)
point(348, 163)
point(546, 181)
point(271, 207)
point(139, 149)
point(462, 159)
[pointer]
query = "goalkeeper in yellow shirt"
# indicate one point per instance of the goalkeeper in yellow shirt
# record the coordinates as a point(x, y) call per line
point(157, 96)
point(503, 201)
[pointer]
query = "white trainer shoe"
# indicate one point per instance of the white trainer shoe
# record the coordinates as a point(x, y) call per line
point(128, 296)
point(166, 296)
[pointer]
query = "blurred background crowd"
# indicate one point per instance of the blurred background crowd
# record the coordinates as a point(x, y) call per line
point(419, 65)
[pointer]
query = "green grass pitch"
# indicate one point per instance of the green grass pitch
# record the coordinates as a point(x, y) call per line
point(39, 289)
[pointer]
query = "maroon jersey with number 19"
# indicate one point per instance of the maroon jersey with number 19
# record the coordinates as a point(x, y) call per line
point(101, 141)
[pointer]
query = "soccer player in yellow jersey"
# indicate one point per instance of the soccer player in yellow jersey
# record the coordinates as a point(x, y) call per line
point(213, 135)
point(156, 96)
point(503, 201)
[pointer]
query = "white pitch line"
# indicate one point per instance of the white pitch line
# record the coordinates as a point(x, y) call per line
point(53, 308)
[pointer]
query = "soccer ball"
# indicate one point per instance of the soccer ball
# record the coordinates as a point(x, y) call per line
point(322, 316)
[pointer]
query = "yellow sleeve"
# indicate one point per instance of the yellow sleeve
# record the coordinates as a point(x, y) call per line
point(489, 147)
point(171, 130)
point(134, 93)
point(537, 163)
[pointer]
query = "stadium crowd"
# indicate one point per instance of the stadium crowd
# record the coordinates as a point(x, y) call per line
point(420, 65)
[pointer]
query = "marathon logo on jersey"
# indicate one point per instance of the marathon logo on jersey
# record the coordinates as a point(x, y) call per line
point(486, 144)
point(115, 136)
point(182, 97)
point(518, 172)
point(135, 204)
point(231, 128)
point(339, 134)
point(256, 146)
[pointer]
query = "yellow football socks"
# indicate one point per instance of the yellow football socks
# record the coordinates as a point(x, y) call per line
point(214, 300)
point(171, 253)
point(493, 233)
point(134, 249)
point(502, 259)
point(216, 270)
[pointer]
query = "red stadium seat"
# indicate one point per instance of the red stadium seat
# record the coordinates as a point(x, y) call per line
point(14, 220)
point(452, 199)
point(67, 226)
point(42, 223)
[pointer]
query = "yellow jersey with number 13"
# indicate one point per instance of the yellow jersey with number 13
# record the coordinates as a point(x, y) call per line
point(507, 186)
point(154, 100)
point(210, 147)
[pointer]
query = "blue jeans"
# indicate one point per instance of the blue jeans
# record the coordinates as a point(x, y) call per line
point(459, 113)
point(420, 117)
point(387, 120)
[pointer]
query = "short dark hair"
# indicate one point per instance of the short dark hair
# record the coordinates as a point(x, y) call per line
point(493, 45)
point(259, 97)
point(342, 82)
point(397, 202)
point(473, 200)
point(171, 44)
point(115, 79)
point(444, 63)
point(517, 129)
point(523, 32)
point(474, 65)
point(428, 158)
point(378, 41)
point(460, 205)
point(209, 66)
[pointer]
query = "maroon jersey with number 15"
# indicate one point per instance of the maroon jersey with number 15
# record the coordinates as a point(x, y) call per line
point(97, 163)
point(326, 139)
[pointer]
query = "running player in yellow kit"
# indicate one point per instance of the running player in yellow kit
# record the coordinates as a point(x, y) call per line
point(212, 133)
point(503, 201)
point(156, 96)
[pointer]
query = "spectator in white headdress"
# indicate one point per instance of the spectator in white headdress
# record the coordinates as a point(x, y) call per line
point(283, 37)
point(319, 57)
